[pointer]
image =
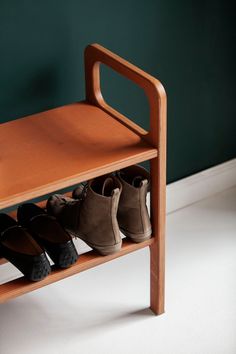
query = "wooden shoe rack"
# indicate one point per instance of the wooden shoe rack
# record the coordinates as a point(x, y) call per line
point(58, 148)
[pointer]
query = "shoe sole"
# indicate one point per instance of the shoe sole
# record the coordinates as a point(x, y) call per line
point(102, 250)
point(106, 250)
point(137, 238)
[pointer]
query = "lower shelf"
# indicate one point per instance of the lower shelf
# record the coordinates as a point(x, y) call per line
point(87, 260)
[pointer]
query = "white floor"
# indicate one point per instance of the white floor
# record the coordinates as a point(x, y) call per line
point(105, 310)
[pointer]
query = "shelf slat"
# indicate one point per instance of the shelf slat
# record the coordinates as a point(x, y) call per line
point(86, 261)
point(61, 147)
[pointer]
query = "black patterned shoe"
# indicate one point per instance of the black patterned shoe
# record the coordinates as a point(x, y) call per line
point(49, 234)
point(19, 248)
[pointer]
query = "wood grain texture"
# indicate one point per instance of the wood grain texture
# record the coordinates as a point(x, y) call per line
point(86, 261)
point(158, 209)
point(61, 147)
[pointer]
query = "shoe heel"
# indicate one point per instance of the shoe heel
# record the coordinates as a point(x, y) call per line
point(137, 238)
point(64, 256)
point(41, 269)
point(107, 250)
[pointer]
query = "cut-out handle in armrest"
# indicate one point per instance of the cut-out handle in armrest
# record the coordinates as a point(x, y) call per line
point(96, 54)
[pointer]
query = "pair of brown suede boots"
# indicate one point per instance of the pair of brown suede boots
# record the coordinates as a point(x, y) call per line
point(103, 207)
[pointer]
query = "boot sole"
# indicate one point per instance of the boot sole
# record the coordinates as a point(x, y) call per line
point(137, 238)
point(102, 250)
point(106, 250)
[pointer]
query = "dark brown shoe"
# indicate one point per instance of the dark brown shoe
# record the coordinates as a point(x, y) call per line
point(93, 217)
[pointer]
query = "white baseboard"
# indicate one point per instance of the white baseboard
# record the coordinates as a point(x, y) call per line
point(201, 185)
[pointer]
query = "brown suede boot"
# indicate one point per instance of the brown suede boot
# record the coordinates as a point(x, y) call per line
point(93, 217)
point(133, 217)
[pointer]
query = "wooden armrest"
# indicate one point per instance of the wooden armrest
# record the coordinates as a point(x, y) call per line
point(96, 54)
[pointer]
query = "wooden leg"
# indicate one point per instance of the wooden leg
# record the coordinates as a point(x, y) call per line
point(157, 290)
point(157, 249)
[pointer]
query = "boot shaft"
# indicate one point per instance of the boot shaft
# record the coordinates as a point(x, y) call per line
point(133, 214)
point(98, 211)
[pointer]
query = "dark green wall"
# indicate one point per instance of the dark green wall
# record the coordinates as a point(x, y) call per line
point(188, 45)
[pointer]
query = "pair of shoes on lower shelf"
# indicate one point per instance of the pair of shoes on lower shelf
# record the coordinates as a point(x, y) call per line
point(103, 207)
point(24, 243)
